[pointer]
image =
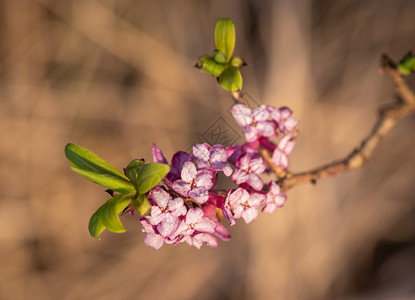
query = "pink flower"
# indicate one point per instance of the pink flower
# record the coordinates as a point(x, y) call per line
point(165, 214)
point(195, 221)
point(283, 118)
point(255, 123)
point(275, 198)
point(247, 171)
point(243, 204)
point(214, 157)
point(284, 148)
point(195, 184)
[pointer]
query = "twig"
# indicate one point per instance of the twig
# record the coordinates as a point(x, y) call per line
point(388, 116)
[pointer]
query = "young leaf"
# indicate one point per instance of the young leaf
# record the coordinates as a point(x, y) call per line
point(208, 64)
point(150, 175)
point(231, 79)
point(132, 170)
point(109, 181)
point(225, 37)
point(407, 64)
point(108, 213)
point(237, 62)
point(84, 159)
point(141, 204)
point(219, 57)
point(96, 227)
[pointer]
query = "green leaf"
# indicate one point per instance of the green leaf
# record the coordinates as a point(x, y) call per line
point(142, 205)
point(150, 175)
point(96, 227)
point(407, 64)
point(219, 57)
point(108, 213)
point(225, 37)
point(231, 79)
point(237, 62)
point(84, 159)
point(109, 181)
point(132, 170)
point(208, 64)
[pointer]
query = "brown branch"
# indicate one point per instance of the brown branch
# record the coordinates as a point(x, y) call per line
point(388, 116)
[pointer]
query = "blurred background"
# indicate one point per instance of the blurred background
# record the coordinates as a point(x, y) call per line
point(115, 76)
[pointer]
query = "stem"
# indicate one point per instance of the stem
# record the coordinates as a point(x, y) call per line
point(388, 116)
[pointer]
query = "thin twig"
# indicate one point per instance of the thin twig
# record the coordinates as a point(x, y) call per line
point(388, 116)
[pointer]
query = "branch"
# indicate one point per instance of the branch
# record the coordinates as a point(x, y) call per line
point(388, 116)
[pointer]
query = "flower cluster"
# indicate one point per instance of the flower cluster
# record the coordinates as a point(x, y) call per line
point(187, 208)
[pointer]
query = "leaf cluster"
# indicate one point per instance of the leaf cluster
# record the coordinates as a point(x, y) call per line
point(221, 64)
point(128, 190)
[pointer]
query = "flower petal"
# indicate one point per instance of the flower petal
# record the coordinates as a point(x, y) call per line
point(242, 115)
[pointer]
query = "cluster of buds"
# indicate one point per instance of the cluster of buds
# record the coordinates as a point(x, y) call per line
point(186, 207)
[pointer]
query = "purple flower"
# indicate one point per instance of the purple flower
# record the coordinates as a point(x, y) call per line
point(244, 205)
point(214, 157)
point(275, 198)
point(165, 214)
point(209, 210)
point(247, 171)
point(195, 221)
point(255, 123)
point(195, 184)
point(284, 148)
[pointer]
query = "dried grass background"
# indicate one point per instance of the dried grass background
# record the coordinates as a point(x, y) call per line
point(114, 76)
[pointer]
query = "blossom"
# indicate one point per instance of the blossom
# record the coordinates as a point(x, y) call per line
point(195, 184)
point(152, 239)
point(283, 118)
point(194, 222)
point(214, 157)
point(284, 148)
point(255, 123)
point(275, 198)
point(243, 204)
point(165, 214)
point(247, 171)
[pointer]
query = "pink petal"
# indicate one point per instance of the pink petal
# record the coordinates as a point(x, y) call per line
point(242, 115)
point(257, 165)
point(194, 215)
point(250, 214)
point(201, 151)
point(250, 133)
point(266, 128)
point(208, 239)
point(153, 240)
point(244, 162)
point(260, 113)
point(256, 200)
point(205, 225)
point(218, 154)
point(269, 208)
point(222, 232)
point(158, 156)
point(240, 195)
point(189, 172)
point(181, 187)
point(201, 195)
point(156, 215)
point(177, 207)
point(255, 182)
point(160, 196)
point(168, 225)
point(240, 176)
point(205, 178)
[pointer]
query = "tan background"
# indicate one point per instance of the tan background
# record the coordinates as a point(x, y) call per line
point(114, 76)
